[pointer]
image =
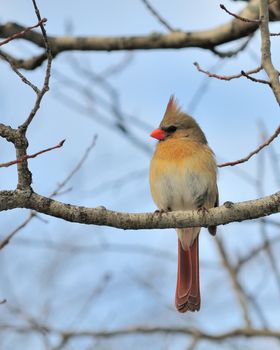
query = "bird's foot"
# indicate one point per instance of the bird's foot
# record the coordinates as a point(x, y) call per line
point(202, 210)
point(162, 211)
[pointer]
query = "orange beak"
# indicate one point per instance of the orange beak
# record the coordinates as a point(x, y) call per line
point(158, 134)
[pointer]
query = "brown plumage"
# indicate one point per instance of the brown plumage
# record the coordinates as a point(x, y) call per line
point(183, 177)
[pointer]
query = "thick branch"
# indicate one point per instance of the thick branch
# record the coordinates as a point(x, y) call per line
point(21, 144)
point(101, 216)
point(208, 39)
point(267, 64)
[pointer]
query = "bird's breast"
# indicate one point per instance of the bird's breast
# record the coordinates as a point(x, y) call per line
point(183, 176)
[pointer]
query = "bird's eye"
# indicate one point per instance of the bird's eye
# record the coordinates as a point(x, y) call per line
point(171, 128)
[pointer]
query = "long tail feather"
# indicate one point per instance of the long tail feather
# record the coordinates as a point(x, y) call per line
point(187, 290)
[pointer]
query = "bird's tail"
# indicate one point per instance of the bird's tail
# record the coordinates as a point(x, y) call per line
point(187, 290)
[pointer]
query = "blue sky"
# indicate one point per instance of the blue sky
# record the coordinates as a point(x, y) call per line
point(140, 287)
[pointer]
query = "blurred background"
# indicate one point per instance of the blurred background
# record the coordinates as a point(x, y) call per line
point(71, 286)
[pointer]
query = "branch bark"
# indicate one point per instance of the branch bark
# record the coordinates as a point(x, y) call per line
point(222, 215)
point(267, 64)
point(208, 39)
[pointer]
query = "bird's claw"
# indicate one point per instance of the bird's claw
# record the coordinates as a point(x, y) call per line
point(202, 210)
point(162, 211)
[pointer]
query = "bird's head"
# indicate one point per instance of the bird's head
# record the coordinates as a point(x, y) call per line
point(177, 124)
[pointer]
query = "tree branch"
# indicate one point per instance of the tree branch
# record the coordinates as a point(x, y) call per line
point(155, 13)
point(243, 19)
point(22, 32)
point(267, 64)
point(34, 155)
point(208, 39)
point(54, 193)
point(225, 214)
point(201, 335)
point(236, 285)
point(45, 88)
point(239, 332)
point(257, 150)
point(228, 77)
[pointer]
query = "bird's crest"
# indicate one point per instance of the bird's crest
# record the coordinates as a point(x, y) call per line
point(172, 105)
point(171, 102)
point(172, 110)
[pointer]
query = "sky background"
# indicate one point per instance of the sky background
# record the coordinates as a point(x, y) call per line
point(106, 286)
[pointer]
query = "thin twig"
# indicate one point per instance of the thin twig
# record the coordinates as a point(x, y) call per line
point(203, 87)
point(7, 239)
point(257, 150)
point(227, 77)
point(14, 68)
point(243, 19)
point(232, 53)
point(21, 33)
point(255, 252)
point(158, 16)
point(214, 337)
point(57, 191)
point(45, 88)
point(20, 160)
point(75, 169)
point(118, 67)
point(237, 286)
point(255, 80)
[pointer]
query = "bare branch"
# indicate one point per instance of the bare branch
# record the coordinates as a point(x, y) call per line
point(24, 31)
point(232, 53)
point(190, 331)
point(45, 88)
point(208, 39)
point(255, 252)
point(28, 64)
point(267, 64)
point(7, 239)
point(8, 133)
point(257, 150)
point(14, 68)
point(227, 77)
point(57, 191)
point(75, 169)
point(237, 287)
point(255, 80)
point(34, 155)
point(155, 13)
point(243, 19)
point(225, 214)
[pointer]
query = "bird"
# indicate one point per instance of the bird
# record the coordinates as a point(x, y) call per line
point(183, 176)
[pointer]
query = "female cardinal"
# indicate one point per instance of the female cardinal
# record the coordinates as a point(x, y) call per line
point(183, 176)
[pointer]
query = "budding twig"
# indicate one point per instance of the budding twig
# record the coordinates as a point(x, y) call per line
point(243, 19)
point(228, 77)
point(21, 33)
point(19, 160)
